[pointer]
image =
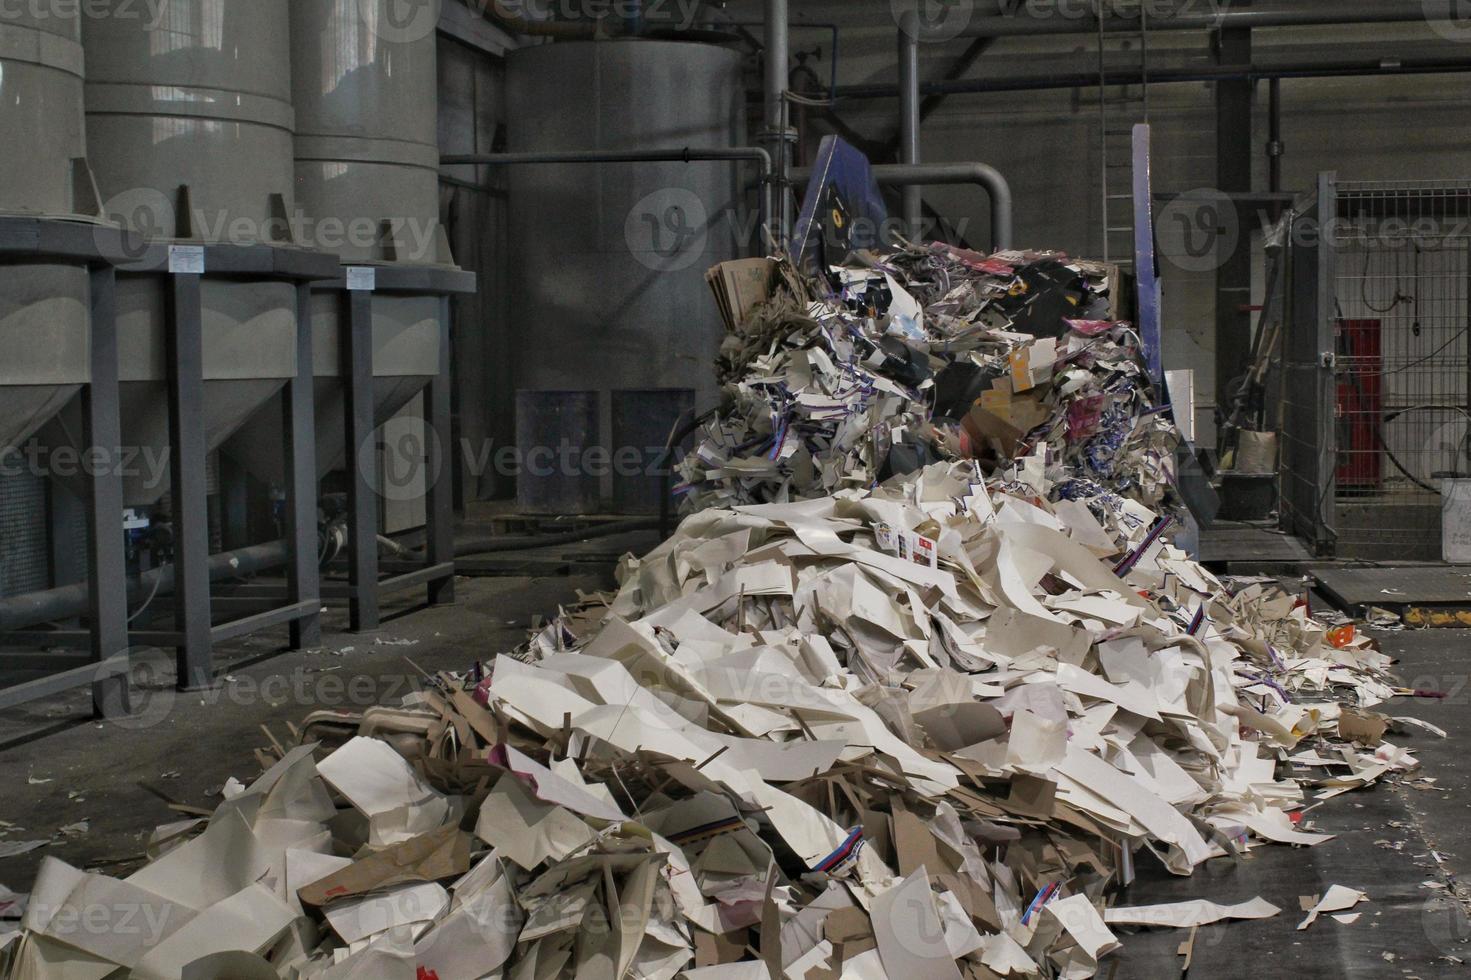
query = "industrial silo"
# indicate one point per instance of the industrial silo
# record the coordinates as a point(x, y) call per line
point(190, 128)
point(367, 188)
point(191, 120)
point(608, 262)
point(42, 172)
point(44, 319)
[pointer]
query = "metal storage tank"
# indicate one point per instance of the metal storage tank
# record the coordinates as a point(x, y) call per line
point(200, 100)
point(42, 173)
point(367, 184)
point(192, 122)
point(609, 261)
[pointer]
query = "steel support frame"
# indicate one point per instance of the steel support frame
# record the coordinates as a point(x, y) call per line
point(106, 663)
point(366, 585)
point(195, 633)
point(1234, 152)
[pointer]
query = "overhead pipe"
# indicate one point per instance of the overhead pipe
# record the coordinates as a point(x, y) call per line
point(981, 174)
point(70, 601)
point(1359, 67)
point(776, 133)
point(1031, 22)
point(909, 141)
point(736, 154)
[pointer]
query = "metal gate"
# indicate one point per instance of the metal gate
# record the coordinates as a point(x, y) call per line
point(1390, 313)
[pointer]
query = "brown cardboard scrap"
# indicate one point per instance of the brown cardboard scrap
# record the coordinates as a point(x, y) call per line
point(435, 856)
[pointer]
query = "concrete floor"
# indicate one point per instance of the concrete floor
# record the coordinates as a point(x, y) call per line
point(58, 768)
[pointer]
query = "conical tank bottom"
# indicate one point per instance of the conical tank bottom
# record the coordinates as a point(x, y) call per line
point(405, 358)
point(249, 337)
point(45, 345)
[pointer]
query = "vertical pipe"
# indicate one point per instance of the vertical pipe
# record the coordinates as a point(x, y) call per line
point(1234, 155)
point(778, 56)
point(909, 152)
point(303, 578)
point(440, 505)
point(189, 491)
point(107, 573)
point(1274, 137)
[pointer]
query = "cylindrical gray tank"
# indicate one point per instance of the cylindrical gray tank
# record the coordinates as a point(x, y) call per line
point(43, 307)
point(367, 187)
point(193, 108)
point(608, 263)
point(200, 100)
point(367, 142)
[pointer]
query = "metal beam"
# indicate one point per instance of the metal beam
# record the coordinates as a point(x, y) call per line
point(1034, 20)
point(1234, 152)
point(1326, 68)
point(776, 136)
point(189, 495)
point(909, 141)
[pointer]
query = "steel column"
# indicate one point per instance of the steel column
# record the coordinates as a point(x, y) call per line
point(1327, 322)
point(303, 578)
point(106, 563)
point(189, 499)
point(1233, 176)
point(362, 461)
point(909, 139)
point(1145, 271)
point(777, 58)
point(440, 504)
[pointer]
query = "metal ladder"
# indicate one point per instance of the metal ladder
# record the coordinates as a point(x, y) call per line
point(1123, 47)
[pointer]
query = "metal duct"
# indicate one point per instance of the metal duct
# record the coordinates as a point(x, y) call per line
point(982, 175)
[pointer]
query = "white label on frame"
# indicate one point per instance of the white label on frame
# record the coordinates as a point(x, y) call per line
point(362, 278)
point(187, 260)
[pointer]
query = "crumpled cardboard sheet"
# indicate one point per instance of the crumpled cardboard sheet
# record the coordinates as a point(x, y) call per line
point(924, 728)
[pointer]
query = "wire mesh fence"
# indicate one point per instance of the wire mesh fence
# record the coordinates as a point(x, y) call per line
point(1401, 315)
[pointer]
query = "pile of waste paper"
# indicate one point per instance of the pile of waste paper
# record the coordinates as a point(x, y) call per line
point(920, 726)
point(927, 353)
